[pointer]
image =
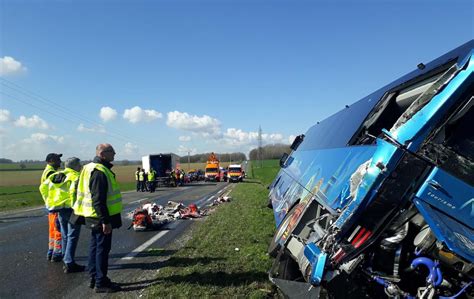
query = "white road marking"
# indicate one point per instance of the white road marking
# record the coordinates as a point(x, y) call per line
point(138, 200)
point(159, 235)
point(147, 244)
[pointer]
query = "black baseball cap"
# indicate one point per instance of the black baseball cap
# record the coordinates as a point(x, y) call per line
point(52, 156)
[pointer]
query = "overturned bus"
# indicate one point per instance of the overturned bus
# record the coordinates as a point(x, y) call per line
point(378, 199)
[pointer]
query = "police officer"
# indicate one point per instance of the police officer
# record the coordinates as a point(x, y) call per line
point(99, 200)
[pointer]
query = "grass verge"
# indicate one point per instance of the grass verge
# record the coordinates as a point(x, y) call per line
point(227, 254)
point(17, 197)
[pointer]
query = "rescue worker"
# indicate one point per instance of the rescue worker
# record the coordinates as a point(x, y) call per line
point(99, 200)
point(178, 177)
point(60, 191)
point(173, 178)
point(151, 180)
point(137, 178)
point(54, 243)
point(141, 178)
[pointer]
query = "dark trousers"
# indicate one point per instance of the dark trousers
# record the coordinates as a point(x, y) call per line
point(99, 249)
point(151, 186)
point(138, 186)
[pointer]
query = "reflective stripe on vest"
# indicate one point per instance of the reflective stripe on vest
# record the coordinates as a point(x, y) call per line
point(60, 195)
point(83, 205)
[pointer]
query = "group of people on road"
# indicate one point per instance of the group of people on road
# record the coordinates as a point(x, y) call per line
point(75, 197)
point(146, 181)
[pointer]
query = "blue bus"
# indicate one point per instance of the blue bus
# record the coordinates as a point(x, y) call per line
point(377, 200)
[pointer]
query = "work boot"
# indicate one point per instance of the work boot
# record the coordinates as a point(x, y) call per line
point(92, 283)
point(73, 268)
point(110, 287)
point(56, 258)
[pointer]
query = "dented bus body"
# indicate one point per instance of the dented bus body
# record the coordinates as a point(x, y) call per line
point(378, 199)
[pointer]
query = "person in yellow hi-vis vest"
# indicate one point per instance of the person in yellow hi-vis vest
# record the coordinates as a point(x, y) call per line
point(99, 201)
point(60, 190)
point(151, 180)
point(54, 242)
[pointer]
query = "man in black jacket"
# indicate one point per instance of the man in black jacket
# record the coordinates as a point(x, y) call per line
point(106, 202)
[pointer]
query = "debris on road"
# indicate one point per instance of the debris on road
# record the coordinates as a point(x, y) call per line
point(151, 216)
point(221, 199)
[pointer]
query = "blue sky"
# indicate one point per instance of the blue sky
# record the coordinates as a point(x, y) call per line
point(172, 76)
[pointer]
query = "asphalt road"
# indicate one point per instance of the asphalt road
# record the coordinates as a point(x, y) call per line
point(25, 272)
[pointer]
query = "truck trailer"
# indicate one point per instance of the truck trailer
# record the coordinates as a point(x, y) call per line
point(162, 164)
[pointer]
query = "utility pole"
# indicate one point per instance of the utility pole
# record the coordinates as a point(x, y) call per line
point(189, 167)
point(259, 152)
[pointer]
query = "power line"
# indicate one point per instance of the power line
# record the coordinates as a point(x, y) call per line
point(64, 110)
point(57, 115)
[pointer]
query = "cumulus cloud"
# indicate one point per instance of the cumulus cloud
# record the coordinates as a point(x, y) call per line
point(137, 114)
point(41, 138)
point(10, 66)
point(33, 122)
point(130, 149)
point(184, 138)
point(4, 115)
point(184, 150)
point(291, 139)
point(205, 125)
point(107, 113)
point(96, 129)
point(240, 138)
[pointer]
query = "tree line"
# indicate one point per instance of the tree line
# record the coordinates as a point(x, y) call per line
point(270, 151)
point(224, 157)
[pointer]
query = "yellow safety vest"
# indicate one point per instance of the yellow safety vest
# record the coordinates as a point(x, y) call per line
point(141, 176)
point(60, 195)
point(47, 170)
point(137, 175)
point(83, 205)
point(151, 175)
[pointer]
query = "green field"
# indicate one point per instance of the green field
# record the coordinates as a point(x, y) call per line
point(19, 187)
point(209, 265)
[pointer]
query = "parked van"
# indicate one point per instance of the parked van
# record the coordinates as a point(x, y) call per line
point(377, 200)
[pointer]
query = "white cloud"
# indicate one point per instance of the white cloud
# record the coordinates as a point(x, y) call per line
point(184, 138)
point(3, 132)
point(96, 129)
point(9, 66)
point(137, 114)
point(4, 115)
point(184, 150)
point(41, 138)
point(130, 149)
point(107, 113)
point(291, 139)
point(238, 137)
point(205, 125)
point(33, 122)
point(37, 145)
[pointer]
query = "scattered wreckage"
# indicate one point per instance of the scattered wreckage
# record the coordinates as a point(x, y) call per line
point(151, 216)
point(378, 199)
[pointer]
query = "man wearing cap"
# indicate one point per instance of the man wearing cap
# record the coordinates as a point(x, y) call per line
point(60, 189)
point(99, 200)
point(54, 244)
